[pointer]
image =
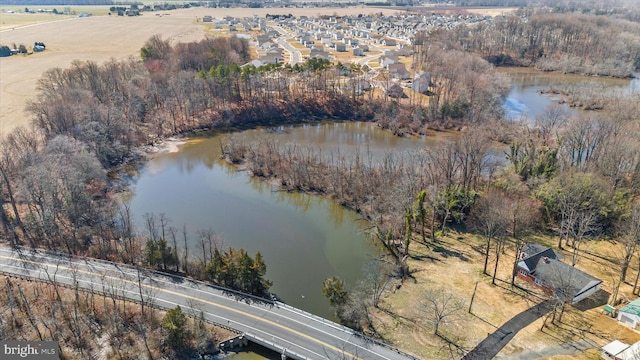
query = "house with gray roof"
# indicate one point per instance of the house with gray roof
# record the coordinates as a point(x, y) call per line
point(421, 83)
point(396, 91)
point(385, 61)
point(541, 266)
point(398, 71)
point(319, 53)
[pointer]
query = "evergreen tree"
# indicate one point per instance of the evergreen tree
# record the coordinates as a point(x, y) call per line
point(174, 324)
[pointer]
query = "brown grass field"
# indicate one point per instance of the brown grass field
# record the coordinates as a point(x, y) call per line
point(455, 262)
point(101, 38)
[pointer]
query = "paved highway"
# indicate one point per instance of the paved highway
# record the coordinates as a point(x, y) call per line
point(302, 335)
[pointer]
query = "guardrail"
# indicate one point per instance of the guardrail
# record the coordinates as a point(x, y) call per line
point(224, 290)
point(348, 330)
point(146, 270)
point(122, 297)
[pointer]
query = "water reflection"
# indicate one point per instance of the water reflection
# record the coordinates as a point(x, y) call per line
point(515, 109)
point(524, 101)
point(303, 238)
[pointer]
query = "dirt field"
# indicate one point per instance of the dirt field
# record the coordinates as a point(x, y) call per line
point(100, 38)
point(485, 11)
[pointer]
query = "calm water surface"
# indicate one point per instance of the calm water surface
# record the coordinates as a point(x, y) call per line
point(303, 238)
point(524, 102)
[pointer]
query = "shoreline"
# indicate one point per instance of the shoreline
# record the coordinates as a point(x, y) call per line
point(169, 145)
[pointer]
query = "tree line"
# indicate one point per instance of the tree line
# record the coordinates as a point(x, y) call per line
point(551, 41)
point(576, 177)
point(58, 178)
point(230, 268)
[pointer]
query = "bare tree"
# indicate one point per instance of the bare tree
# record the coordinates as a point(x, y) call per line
point(125, 219)
point(209, 241)
point(523, 219)
point(185, 258)
point(173, 232)
point(491, 220)
point(576, 201)
point(152, 229)
point(550, 121)
point(164, 222)
point(377, 275)
point(630, 237)
point(441, 307)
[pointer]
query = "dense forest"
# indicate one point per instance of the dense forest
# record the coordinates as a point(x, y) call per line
point(565, 42)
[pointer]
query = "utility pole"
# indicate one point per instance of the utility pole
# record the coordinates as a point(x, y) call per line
point(473, 296)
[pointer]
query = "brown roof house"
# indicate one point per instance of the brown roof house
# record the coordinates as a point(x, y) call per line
point(541, 266)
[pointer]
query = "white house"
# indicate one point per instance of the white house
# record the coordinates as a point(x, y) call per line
point(630, 314)
point(421, 83)
point(617, 350)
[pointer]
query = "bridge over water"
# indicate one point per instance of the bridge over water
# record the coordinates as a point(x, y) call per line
point(288, 330)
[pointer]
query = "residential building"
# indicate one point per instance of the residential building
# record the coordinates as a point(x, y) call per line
point(617, 350)
point(398, 71)
point(421, 83)
point(630, 314)
point(541, 266)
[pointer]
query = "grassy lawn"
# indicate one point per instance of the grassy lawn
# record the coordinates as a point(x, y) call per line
point(345, 57)
point(455, 262)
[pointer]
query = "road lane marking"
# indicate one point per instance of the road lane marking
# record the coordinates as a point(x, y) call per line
point(211, 315)
point(175, 293)
point(111, 268)
point(162, 279)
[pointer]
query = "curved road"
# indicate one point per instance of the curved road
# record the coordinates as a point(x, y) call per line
point(295, 55)
point(302, 335)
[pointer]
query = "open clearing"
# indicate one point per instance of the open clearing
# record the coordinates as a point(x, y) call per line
point(455, 262)
point(101, 38)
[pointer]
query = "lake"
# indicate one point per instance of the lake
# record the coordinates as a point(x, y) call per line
point(303, 238)
point(524, 101)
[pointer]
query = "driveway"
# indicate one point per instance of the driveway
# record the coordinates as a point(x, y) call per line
point(570, 348)
point(492, 345)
